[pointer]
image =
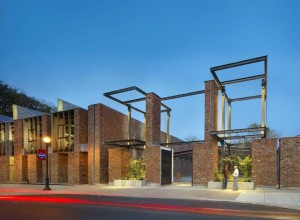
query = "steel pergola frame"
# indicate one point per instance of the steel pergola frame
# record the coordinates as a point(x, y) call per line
point(133, 142)
point(226, 134)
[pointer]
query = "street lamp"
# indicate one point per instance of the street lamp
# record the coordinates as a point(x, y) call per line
point(47, 140)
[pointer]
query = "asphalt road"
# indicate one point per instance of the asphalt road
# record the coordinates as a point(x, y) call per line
point(77, 207)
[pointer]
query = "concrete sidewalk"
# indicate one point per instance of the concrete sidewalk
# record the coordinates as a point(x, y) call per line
point(271, 197)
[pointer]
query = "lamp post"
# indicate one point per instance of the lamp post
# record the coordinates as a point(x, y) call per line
point(47, 140)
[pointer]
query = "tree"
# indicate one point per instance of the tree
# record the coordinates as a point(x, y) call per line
point(10, 96)
point(191, 138)
point(269, 132)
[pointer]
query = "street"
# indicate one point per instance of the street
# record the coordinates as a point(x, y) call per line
point(107, 208)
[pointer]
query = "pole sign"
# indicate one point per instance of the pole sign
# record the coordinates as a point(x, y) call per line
point(41, 154)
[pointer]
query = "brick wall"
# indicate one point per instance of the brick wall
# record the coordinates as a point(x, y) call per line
point(264, 159)
point(211, 109)
point(289, 162)
point(119, 159)
point(153, 135)
point(153, 120)
point(58, 168)
point(4, 169)
point(83, 169)
point(25, 169)
point(34, 169)
point(106, 124)
point(77, 168)
point(18, 149)
point(205, 156)
point(153, 165)
point(81, 128)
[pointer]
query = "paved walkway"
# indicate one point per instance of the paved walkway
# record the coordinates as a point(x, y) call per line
point(272, 197)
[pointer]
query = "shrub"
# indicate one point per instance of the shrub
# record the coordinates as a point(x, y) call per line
point(244, 166)
point(136, 170)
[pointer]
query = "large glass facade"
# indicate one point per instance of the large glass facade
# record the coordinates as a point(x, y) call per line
point(63, 131)
point(32, 134)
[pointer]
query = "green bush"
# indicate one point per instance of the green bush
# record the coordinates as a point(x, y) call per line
point(136, 170)
point(244, 166)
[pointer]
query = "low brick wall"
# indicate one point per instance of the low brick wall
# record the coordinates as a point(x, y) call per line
point(4, 169)
point(58, 168)
point(289, 162)
point(34, 169)
point(119, 159)
point(153, 165)
point(205, 158)
point(264, 159)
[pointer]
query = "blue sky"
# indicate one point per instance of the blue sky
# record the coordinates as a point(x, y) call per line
point(77, 50)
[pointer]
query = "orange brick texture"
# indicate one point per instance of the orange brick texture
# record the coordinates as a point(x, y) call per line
point(152, 151)
point(58, 168)
point(106, 124)
point(289, 162)
point(205, 156)
point(119, 159)
point(264, 159)
point(4, 169)
point(77, 167)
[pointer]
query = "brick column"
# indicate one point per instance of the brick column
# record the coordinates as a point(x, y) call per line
point(205, 156)
point(118, 163)
point(18, 149)
point(289, 162)
point(152, 151)
point(264, 157)
point(81, 128)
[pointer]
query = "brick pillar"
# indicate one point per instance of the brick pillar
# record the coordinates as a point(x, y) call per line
point(152, 151)
point(4, 169)
point(118, 163)
point(18, 149)
point(97, 151)
point(205, 156)
point(81, 128)
point(289, 162)
point(58, 168)
point(264, 159)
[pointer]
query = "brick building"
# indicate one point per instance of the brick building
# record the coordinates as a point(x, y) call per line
point(95, 146)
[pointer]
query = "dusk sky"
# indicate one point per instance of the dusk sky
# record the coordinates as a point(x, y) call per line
point(78, 50)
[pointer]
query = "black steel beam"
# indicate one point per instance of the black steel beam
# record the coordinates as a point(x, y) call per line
point(166, 107)
point(120, 91)
point(238, 130)
point(246, 98)
point(216, 79)
point(183, 95)
point(138, 110)
point(239, 63)
point(243, 136)
point(182, 143)
point(135, 100)
point(262, 76)
point(117, 100)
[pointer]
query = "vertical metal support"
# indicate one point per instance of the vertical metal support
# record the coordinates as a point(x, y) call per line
point(168, 127)
point(229, 119)
point(223, 110)
point(47, 187)
point(145, 127)
point(263, 102)
point(129, 122)
point(133, 151)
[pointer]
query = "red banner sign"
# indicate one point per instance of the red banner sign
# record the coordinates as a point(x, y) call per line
point(41, 154)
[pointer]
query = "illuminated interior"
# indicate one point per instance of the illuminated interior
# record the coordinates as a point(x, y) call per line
point(63, 131)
